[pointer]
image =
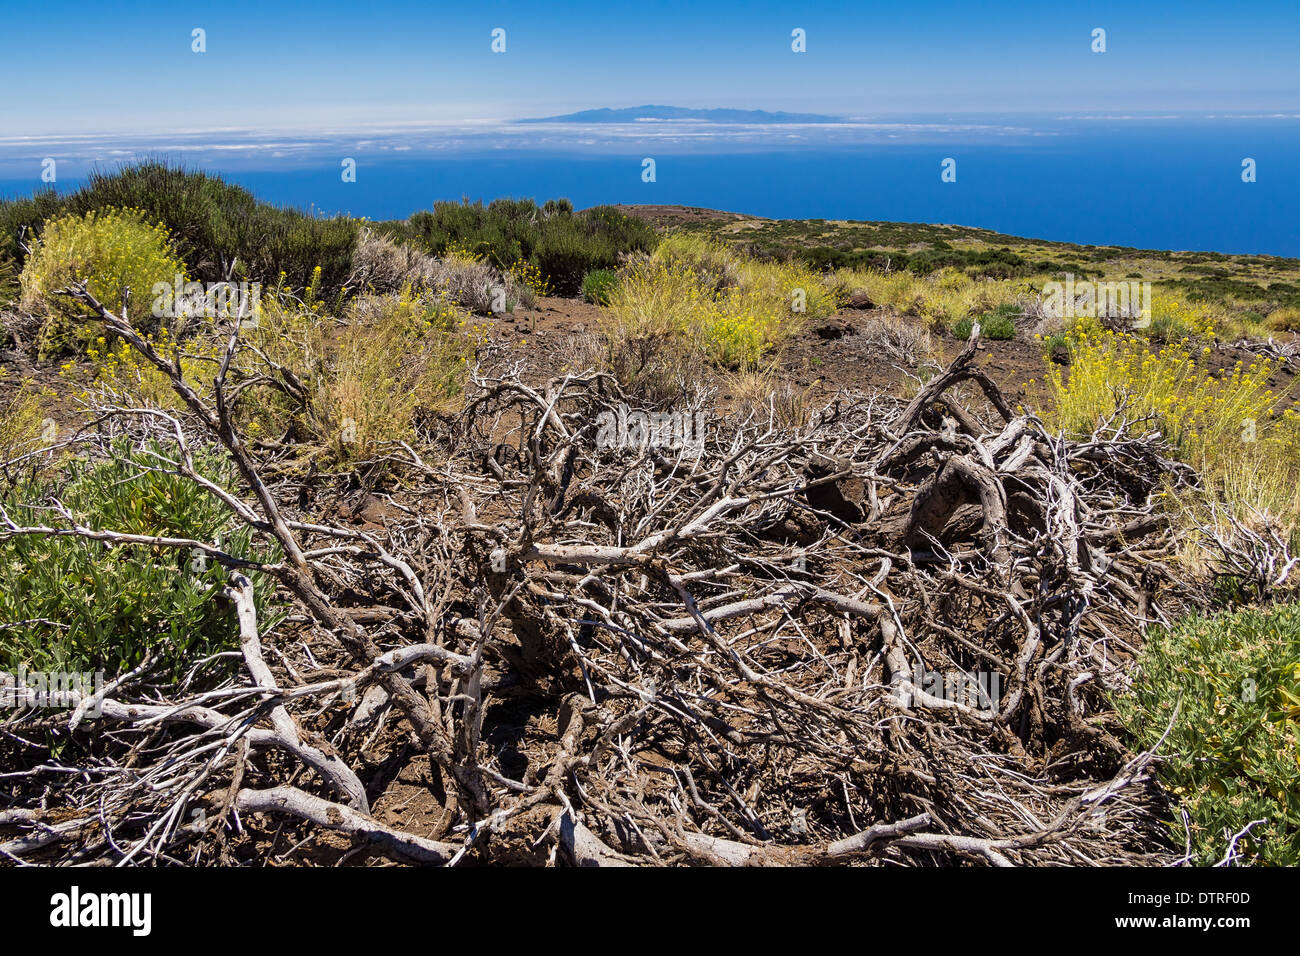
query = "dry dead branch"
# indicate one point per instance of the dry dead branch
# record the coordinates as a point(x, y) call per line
point(884, 635)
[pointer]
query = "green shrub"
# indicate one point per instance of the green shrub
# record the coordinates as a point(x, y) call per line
point(215, 226)
point(996, 325)
point(1233, 753)
point(25, 215)
point(110, 250)
point(983, 263)
point(621, 231)
point(68, 603)
point(564, 245)
point(1007, 310)
point(1056, 347)
point(599, 285)
point(502, 234)
point(216, 223)
point(566, 256)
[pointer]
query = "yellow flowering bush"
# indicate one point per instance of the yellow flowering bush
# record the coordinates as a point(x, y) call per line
point(708, 299)
point(1174, 318)
point(123, 376)
point(110, 250)
point(530, 276)
point(1203, 415)
point(804, 295)
point(1225, 424)
point(739, 326)
point(654, 299)
point(311, 295)
point(458, 251)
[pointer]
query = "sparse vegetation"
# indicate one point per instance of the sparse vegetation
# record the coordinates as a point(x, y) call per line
point(941, 299)
point(1252, 283)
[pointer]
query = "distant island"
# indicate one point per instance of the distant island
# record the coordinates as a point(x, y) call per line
point(633, 114)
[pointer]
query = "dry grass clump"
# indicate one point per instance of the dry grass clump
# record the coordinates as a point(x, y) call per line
point(1284, 320)
point(348, 387)
point(897, 338)
point(398, 358)
point(940, 299)
point(767, 393)
point(22, 415)
point(383, 266)
point(729, 310)
point(654, 365)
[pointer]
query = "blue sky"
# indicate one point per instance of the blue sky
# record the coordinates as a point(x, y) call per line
point(127, 66)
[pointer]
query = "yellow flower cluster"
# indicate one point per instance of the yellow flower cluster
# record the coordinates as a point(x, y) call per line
point(1202, 413)
point(1175, 319)
point(123, 374)
point(458, 251)
point(111, 250)
point(531, 276)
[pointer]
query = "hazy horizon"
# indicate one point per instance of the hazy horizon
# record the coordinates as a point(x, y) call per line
point(131, 68)
point(1148, 183)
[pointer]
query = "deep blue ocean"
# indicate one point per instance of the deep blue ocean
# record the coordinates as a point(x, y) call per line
point(1149, 183)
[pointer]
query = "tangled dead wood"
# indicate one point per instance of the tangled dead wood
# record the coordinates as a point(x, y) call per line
point(886, 636)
